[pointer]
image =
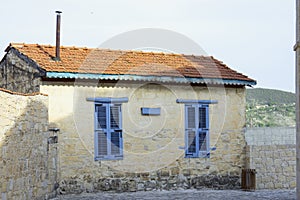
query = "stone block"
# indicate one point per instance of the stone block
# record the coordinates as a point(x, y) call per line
point(3, 196)
point(269, 185)
point(293, 184)
point(140, 186)
point(165, 172)
point(150, 185)
point(132, 186)
point(278, 185)
point(260, 186)
point(175, 171)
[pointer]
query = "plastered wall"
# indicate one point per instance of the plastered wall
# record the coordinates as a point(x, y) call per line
point(153, 145)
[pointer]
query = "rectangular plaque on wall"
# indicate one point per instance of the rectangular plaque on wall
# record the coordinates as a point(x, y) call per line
point(150, 111)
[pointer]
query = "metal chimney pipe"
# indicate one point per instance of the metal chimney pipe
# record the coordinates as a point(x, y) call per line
point(57, 47)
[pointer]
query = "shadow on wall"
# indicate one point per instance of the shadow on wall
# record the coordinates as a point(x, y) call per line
point(27, 162)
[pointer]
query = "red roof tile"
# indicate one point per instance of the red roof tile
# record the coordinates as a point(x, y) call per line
point(117, 62)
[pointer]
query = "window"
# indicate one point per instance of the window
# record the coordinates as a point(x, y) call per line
point(197, 131)
point(108, 131)
point(197, 127)
point(108, 127)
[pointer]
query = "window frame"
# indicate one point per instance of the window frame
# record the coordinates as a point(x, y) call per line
point(108, 130)
point(196, 103)
point(108, 102)
point(198, 153)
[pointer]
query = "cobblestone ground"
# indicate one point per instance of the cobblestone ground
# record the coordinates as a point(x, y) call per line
point(187, 194)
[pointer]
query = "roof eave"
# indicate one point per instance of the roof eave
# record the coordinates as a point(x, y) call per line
point(163, 79)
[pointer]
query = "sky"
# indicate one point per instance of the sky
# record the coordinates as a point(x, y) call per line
point(254, 37)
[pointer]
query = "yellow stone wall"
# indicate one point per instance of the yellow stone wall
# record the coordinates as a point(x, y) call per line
point(27, 163)
point(152, 144)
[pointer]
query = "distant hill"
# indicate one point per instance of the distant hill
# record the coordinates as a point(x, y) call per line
point(270, 108)
point(270, 96)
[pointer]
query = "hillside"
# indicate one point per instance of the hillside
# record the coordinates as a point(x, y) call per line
point(265, 96)
point(270, 108)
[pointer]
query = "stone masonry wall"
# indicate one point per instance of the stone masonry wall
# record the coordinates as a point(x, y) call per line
point(153, 145)
point(272, 152)
point(28, 164)
point(19, 74)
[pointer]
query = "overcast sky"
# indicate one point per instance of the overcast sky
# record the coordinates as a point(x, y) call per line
point(255, 37)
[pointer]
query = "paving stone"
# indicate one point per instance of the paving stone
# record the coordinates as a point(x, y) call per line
point(187, 194)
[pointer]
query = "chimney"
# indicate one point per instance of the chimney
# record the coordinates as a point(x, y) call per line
point(57, 47)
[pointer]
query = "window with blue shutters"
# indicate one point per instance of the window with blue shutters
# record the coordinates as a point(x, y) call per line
point(108, 131)
point(197, 131)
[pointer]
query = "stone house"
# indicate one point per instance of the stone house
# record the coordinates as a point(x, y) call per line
point(132, 120)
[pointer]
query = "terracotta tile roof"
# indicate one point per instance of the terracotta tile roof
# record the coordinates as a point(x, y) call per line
point(117, 62)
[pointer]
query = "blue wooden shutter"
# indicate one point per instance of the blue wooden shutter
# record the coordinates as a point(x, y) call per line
point(204, 147)
point(108, 131)
point(116, 143)
point(101, 142)
point(101, 115)
point(191, 131)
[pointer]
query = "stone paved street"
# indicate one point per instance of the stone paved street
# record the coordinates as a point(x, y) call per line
point(187, 194)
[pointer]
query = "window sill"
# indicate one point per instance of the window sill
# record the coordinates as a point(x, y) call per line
point(108, 158)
